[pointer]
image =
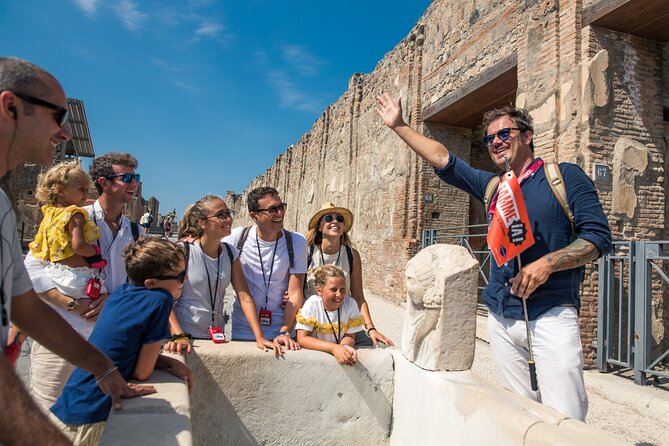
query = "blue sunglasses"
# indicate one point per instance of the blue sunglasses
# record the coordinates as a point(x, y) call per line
point(125, 177)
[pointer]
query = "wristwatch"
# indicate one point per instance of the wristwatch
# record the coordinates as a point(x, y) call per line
point(71, 305)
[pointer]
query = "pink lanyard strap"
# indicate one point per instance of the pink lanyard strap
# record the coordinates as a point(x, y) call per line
point(529, 172)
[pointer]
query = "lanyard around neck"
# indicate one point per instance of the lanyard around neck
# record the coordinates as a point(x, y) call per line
point(529, 172)
point(262, 267)
point(320, 250)
point(108, 248)
point(212, 294)
point(338, 335)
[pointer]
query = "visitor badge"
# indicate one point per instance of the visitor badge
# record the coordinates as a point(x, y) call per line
point(265, 316)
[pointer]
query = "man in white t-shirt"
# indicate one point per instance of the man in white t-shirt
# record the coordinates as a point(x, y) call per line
point(33, 114)
point(265, 258)
point(115, 180)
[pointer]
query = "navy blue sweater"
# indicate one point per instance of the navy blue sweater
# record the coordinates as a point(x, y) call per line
point(551, 229)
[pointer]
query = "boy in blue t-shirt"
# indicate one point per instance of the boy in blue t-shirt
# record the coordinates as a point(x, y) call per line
point(134, 321)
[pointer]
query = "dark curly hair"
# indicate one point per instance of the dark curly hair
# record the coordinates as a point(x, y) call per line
point(519, 116)
point(102, 166)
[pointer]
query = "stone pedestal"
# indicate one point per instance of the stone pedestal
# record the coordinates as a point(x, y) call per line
point(440, 323)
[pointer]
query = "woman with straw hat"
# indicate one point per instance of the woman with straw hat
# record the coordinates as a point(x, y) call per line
point(329, 244)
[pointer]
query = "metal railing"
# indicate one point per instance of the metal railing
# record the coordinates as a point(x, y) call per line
point(629, 277)
point(462, 236)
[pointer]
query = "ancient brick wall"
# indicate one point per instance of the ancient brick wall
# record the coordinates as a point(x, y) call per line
point(596, 96)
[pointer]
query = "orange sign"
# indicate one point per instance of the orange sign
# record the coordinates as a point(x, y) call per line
point(509, 232)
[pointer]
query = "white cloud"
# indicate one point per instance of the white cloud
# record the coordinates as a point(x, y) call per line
point(166, 65)
point(130, 15)
point(300, 59)
point(185, 85)
point(290, 95)
point(209, 29)
point(88, 6)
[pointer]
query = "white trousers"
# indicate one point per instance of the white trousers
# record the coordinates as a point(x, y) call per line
point(556, 344)
point(48, 375)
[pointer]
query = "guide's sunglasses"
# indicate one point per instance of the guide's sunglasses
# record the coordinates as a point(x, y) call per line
point(221, 216)
point(180, 277)
point(503, 135)
point(274, 209)
point(61, 116)
point(125, 177)
point(328, 218)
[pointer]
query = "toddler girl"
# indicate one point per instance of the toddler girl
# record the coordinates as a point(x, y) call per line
point(67, 236)
point(328, 321)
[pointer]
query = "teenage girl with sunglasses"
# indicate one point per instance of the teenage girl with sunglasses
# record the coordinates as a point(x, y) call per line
point(211, 266)
point(329, 243)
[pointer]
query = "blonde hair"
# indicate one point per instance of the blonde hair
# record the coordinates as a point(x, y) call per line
point(189, 227)
point(323, 273)
point(58, 177)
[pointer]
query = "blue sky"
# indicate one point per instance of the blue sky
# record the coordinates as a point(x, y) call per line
point(206, 94)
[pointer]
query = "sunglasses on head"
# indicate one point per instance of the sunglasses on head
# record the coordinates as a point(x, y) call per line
point(125, 177)
point(61, 116)
point(329, 217)
point(272, 210)
point(503, 135)
point(180, 277)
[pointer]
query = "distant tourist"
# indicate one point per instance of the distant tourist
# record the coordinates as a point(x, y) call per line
point(552, 269)
point(33, 114)
point(146, 220)
point(273, 261)
point(116, 181)
point(167, 226)
point(211, 264)
point(329, 244)
point(130, 331)
point(329, 319)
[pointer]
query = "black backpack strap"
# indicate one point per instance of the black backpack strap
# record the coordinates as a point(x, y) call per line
point(242, 239)
point(227, 248)
point(289, 245)
point(311, 256)
point(349, 254)
point(134, 227)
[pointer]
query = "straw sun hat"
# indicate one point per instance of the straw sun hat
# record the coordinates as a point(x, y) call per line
point(330, 208)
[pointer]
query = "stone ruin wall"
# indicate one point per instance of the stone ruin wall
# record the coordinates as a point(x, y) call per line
point(596, 96)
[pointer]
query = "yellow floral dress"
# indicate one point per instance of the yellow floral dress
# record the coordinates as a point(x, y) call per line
point(53, 241)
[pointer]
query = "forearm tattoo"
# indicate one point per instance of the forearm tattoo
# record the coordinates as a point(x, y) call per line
point(576, 254)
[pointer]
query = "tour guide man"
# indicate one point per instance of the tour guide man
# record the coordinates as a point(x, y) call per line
point(552, 269)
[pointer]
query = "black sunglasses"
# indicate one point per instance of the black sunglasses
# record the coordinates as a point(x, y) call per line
point(125, 177)
point(221, 216)
point(328, 218)
point(180, 277)
point(61, 116)
point(503, 135)
point(274, 209)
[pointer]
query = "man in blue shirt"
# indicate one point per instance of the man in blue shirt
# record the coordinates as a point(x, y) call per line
point(552, 269)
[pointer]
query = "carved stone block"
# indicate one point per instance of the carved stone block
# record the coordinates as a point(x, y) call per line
point(440, 323)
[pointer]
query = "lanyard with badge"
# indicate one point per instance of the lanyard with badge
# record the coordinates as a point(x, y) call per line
point(94, 284)
point(338, 335)
point(265, 315)
point(216, 333)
